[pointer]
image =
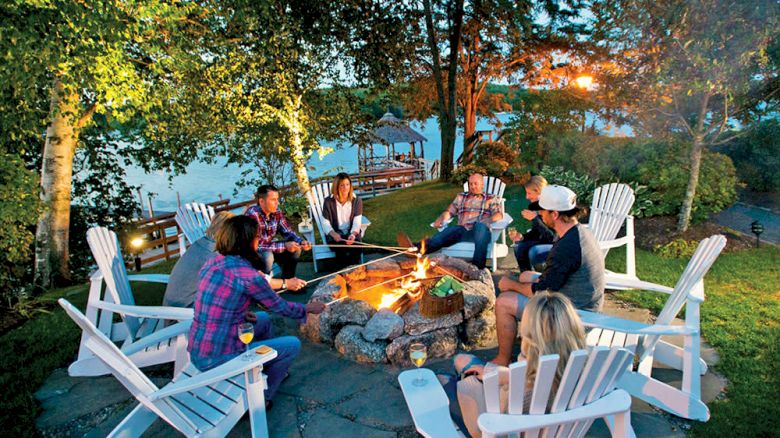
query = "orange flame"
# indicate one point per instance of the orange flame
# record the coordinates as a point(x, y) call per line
point(388, 299)
point(422, 267)
point(422, 248)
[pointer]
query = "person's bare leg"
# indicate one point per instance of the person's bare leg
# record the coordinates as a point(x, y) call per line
point(528, 277)
point(506, 326)
point(461, 360)
point(506, 284)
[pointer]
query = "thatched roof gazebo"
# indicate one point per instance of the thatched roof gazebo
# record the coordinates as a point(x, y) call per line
point(389, 131)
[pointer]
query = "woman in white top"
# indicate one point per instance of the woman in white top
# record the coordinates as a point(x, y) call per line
point(550, 325)
point(342, 214)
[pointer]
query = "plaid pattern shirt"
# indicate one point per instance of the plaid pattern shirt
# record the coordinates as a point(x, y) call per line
point(228, 285)
point(472, 208)
point(268, 226)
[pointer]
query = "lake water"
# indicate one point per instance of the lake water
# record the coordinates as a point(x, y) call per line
point(206, 182)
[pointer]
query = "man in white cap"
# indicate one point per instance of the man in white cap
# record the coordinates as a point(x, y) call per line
point(575, 267)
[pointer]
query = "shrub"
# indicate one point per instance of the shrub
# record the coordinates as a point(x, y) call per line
point(756, 156)
point(294, 205)
point(19, 211)
point(493, 158)
point(461, 173)
point(582, 185)
point(676, 249)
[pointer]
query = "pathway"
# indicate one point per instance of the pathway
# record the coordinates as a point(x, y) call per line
point(740, 215)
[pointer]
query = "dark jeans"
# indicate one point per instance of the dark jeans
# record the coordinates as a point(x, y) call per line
point(526, 258)
point(345, 256)
point(479, 234)
point(287, 260)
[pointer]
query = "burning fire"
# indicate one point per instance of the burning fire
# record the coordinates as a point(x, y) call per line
point(410, 285)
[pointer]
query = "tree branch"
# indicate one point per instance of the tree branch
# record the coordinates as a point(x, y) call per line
point(86, 117)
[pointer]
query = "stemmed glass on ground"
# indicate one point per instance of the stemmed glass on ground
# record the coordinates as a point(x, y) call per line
point(512, 232)
point(246, 331)
point(418, 353)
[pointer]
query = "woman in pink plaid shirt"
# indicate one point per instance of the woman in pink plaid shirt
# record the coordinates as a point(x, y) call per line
point(229, 284)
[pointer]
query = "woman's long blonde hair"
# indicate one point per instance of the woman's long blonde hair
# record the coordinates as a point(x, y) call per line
point(334, 189)
point(550, 325)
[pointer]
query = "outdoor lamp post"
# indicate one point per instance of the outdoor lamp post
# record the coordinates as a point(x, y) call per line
point(137, 243)
point(757, 228)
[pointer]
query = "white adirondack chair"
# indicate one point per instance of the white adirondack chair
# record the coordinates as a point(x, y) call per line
point(609, 210)
point(316, 197)
point(193, 219)
point(194, 403)
point(496, 249)
point(584, 394)
point(136, 323)
point(645, 339)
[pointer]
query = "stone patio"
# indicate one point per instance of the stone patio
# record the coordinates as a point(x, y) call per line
point(364, 401)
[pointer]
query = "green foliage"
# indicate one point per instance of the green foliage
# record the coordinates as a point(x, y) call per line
point(756, 156)
point(582, 185)
point(294, 205)
point(19, 211)
point(677, 248)
point(493, 158)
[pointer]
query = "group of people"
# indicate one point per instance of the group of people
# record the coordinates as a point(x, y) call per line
point(544, 303)
point(228, 270)
point(224, 273)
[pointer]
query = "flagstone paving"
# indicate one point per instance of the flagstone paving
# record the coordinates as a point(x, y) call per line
point(325, 395)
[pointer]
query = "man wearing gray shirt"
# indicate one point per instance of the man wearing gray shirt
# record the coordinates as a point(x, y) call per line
point(575, 267)
point(182, 285)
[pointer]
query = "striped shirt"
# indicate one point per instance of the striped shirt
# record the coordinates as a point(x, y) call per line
point(268, 226)
point(228, 285)
point(472, 208)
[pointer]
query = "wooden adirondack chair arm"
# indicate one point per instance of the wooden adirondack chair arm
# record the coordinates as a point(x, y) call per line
point(501, 424)
point(154, 312)
point(172, 331)
point(614, 243)
point(151, 278)
point(602, 321)
point(227, 370)
point(620, 281)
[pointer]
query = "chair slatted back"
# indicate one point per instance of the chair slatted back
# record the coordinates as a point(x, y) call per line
point(107, 253)
point(316, 196)
point(610, 208)
point(193, 219)
point(192, 413)
point(691, 280)
point(588, 376)
point(492, 186)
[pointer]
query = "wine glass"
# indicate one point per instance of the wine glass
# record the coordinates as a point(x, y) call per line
point(418, 353)
point(512, 231)
point(246, 331)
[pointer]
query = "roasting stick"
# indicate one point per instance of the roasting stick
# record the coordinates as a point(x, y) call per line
point(353, 267)
point(384, 282)
point(397, 249)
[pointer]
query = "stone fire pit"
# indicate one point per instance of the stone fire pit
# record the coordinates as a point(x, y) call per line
point(367, 329)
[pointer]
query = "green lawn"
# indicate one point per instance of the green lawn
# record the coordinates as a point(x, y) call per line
point(740, 318)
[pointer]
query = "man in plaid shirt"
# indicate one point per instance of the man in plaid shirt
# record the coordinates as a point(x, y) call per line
point(271, 221)
point(475, 211)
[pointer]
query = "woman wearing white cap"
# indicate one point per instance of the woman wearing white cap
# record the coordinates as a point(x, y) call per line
point(575, 267)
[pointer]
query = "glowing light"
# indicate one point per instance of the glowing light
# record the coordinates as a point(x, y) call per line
point(137, 242)
point(584, 81)
point(388, 299)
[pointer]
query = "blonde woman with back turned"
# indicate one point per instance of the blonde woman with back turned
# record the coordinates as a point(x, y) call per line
point(549, 325)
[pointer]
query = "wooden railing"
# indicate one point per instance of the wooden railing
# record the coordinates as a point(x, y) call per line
point(161, 232)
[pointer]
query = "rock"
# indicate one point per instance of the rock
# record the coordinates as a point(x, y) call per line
point(415, 323)
point(385, 268)
point(440, 343)
point(457, 266)
point(318, 328)
point(480, 331)
point(350, 311)
point(385, 324)
point(478, 296)
point(326, 292)
point(350, 344)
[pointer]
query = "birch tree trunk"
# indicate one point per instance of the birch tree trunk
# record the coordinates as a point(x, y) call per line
point(51, 237)
point(296, 140)
point(684, 219)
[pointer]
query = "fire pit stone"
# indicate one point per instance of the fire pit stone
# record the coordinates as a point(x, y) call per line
point(363, 334)
point(385, 324)
point(350, 344)
point(441, 343)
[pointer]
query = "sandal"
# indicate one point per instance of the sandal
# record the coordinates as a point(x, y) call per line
point(466, 371)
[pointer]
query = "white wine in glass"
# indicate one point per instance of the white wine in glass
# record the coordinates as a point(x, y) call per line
point(418, 353)
point(246, 332)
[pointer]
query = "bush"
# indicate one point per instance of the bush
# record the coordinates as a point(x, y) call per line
point(19, 211)
point(677, 249)
point(294, 206)
point(492, 158)
point(582, 185)
point(756, 156)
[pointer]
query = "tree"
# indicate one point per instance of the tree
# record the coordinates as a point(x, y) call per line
point(686, 67)
point(88, 58)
